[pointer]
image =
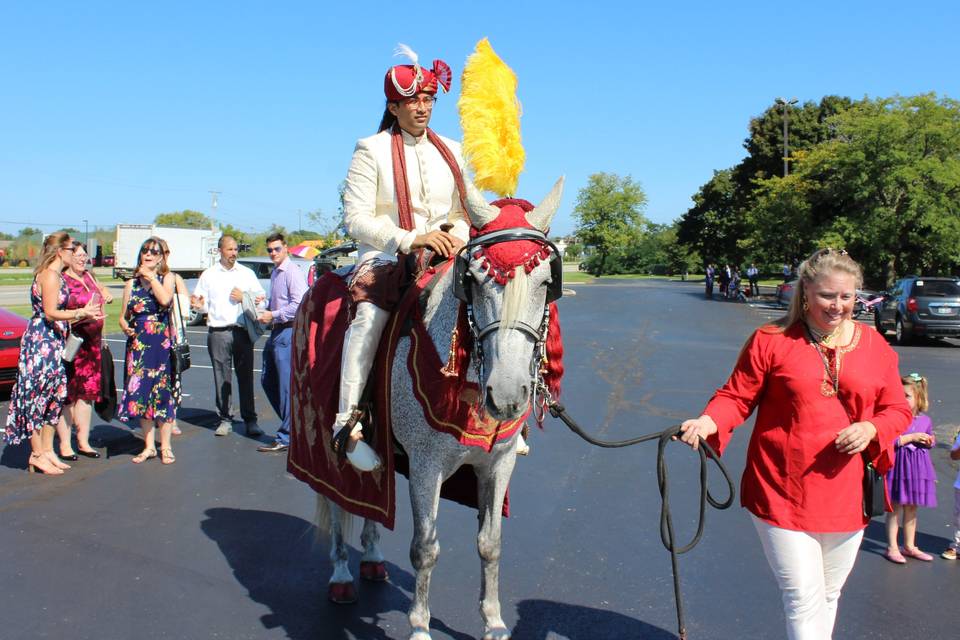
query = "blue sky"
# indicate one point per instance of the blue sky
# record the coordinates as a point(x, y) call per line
point(116, 111)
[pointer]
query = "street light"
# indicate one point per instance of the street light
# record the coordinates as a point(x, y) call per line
point(786, 145)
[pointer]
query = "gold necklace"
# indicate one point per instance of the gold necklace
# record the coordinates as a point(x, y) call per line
point(824, 337)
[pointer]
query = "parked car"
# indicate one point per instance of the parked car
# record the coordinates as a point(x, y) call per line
point(921, 306)
point(333, 258)
point(12, 327)
point(261, 266)
point(785, 292)
point(109, 261)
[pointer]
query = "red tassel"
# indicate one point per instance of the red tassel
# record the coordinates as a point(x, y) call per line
point(553, 368)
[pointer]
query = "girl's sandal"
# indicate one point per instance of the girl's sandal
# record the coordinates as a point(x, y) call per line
point(144, 455)
point(166, 456)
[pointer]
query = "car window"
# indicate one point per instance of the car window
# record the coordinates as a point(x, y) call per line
point(936, 288)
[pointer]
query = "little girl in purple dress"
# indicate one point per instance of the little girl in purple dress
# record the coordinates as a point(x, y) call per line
point(912, 482)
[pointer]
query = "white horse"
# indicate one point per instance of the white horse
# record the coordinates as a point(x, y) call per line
point(506, 320)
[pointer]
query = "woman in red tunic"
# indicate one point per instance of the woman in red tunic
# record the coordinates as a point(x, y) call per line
point(83, 374)
point(826, 388)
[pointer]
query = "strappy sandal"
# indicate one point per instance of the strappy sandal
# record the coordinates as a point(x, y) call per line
point(144, 455)
point(166, 456)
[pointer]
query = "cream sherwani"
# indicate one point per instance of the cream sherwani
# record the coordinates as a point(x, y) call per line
point(370, 205)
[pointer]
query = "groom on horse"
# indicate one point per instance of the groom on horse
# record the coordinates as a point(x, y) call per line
point(404, 194)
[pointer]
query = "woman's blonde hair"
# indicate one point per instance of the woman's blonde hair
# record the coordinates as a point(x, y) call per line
point(820, 262)
point(162, 269)
point(51, 249)
point(919, 385)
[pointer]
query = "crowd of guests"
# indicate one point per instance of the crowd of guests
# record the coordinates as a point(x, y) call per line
point(66, 368)
point(729, 279)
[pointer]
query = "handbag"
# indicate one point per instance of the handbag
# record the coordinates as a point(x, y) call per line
point(180, 354)
point(71, 347)
point(874, 499)
point(106, 404)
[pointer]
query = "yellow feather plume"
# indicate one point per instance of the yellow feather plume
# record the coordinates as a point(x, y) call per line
point(490, 121)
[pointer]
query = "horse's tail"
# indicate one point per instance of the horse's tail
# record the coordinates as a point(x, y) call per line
point(328, 515)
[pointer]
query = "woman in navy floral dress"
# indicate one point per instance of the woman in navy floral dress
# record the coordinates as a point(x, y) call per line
point(148, 385)
point(36, 402)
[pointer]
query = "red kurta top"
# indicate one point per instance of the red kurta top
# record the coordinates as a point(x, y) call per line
point(795, 478)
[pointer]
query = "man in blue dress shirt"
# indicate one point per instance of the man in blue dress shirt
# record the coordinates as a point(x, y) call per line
point(288, 283)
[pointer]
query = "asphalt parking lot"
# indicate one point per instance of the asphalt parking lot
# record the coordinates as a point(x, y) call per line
point(220, 544)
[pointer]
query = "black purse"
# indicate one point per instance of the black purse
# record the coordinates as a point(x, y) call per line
point(106, 404)
point(874, 499)
point(180, 354)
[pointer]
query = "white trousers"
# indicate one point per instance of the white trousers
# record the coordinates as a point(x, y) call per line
point(359, 351)
point(810, 569)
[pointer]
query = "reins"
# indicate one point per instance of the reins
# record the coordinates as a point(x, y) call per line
point(557, 410)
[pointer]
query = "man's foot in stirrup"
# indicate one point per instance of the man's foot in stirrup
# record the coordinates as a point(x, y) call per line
point(523, 449)
point(348, 442)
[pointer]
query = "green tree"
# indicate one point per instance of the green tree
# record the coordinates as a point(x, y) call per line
point(185, 218)
point(714, 225)
point(609, 213)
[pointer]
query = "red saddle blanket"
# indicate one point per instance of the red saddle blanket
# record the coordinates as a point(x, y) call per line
point(447, 400)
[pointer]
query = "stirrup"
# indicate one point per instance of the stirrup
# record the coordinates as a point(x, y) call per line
point(363, 457)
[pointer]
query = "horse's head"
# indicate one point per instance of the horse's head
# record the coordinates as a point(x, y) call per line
point(508, 274)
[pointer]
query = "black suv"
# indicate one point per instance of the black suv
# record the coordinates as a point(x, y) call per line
point(919, 306)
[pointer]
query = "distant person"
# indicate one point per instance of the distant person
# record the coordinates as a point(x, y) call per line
point(724, 278)
point(711, 274)
point(220, 292)
point(287, 286)
point(40, 391)
point(148, 374)
point(83, 373)
point(913, 481)
point(787, 272)
point(951, 551)
point(753, 275)
point(826, 389)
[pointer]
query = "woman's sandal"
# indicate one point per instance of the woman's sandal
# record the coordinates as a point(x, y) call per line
point(144, 455)
point(166, 456)
point(916, 554)
point(38, 463)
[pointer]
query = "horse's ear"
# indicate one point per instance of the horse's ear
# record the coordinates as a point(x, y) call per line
point(479, 210)
point(542, 215)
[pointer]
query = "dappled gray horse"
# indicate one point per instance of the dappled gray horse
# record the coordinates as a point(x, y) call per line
point(509, 320)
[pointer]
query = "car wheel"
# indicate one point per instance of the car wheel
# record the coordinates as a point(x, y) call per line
point(877, 323)
point(903, 336)
point(195, 318)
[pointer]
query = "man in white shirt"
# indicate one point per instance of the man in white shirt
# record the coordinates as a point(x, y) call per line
point(404, 192)
point(219, 293)
point(753, 275)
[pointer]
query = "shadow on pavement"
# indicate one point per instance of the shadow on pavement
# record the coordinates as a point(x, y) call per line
point(276, 558)
point(875, 539)
point(542, 619)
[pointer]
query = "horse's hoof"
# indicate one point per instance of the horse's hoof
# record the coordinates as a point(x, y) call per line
point(420, 633)
point(342, 593)
point(373, 571)
point(497, 634)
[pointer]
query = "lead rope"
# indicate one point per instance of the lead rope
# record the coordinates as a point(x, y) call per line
point(557, 410)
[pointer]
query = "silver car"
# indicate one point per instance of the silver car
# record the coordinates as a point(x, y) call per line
point(261, 266)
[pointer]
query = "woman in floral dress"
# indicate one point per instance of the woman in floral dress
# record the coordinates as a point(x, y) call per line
point(148, 385)
point(36, 402)
point(83, 374)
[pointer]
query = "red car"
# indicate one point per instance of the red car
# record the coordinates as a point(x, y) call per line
point(12, 327)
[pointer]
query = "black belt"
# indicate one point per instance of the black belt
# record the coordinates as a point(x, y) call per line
point(226, 328)
point(283, 325)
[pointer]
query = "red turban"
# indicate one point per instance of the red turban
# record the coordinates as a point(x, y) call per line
point(406, 80)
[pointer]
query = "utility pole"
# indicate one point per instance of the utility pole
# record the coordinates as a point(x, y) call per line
point(213, 204)
point(86, 233)
point(786, 145)
point(299, 220)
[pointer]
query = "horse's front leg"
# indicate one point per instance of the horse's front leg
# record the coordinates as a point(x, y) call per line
point(340, 589)
point(424, 548)
point(492, 482)
point(372, 566)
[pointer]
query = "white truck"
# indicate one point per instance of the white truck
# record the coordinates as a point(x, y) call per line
point(191, 250)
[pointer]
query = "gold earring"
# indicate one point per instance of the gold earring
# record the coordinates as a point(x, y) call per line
point(806, 307)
